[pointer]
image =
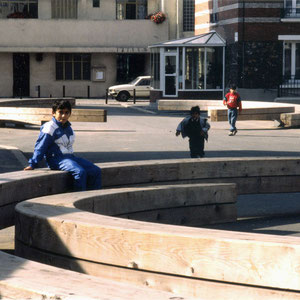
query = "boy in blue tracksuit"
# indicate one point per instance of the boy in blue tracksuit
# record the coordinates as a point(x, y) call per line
point(55, 143)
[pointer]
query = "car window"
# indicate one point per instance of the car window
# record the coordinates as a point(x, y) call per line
point(144, 82)
point(133, 82)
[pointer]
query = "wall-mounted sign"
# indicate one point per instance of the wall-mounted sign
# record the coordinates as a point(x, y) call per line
point(98, 73)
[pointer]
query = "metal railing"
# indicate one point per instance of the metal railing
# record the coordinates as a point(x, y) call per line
point(290, 13)
point(289, 86)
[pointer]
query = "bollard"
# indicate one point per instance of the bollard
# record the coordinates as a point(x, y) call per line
point(106, 96)
point(39, 91)
point(88, 92)
point(20, 93)
point(133, 96)
point(64, 91)
point(50, 95)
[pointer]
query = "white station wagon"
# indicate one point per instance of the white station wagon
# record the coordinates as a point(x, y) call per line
point(123, 92)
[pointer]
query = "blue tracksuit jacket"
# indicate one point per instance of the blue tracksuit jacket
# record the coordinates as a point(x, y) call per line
point(54, 141)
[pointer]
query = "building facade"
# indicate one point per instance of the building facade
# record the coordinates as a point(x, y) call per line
point(79, 48)
point(262, 39)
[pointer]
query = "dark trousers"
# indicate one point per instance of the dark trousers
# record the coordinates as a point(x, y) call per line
point(196, 147)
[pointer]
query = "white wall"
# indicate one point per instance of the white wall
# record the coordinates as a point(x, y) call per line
point(43, 74)
point(6, 78)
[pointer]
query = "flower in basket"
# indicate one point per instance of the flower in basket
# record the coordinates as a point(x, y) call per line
point(158, 17)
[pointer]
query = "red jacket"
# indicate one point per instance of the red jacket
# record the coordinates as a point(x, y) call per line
point(233, 100)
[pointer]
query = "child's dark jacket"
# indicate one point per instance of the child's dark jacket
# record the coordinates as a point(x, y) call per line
point(192, 129)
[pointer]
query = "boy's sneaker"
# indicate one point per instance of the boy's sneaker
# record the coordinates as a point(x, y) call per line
point(234, 132)
point(230, 133)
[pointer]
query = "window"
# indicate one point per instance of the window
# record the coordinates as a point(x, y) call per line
point(130, 66)
point(144, 82)
point(18, 9)
point(292, 8)
point(64, 9)
point(73, 66)
point(204, 68)
point(291, 60)
point(96, 3)
point(155, 68)
point(195, 68)
point(188, 15)
point(131, 9)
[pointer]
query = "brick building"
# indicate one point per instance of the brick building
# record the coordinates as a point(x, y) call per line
point(262, 40)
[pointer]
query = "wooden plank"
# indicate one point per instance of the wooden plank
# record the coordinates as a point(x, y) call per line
point(185, 286)
point(53, 283)
point(131, 200)
point(241, 258)
point(269, 113)
point(257, 111)
point(7, 215)
point(187, 216)
point(34, 114)
point(33, 102)
point(290, 119)
point(115, 174)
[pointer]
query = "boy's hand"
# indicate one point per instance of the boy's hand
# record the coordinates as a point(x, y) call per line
point(29, 168)
point(177, 133)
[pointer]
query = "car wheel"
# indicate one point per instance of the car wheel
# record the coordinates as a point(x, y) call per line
point(123, 96)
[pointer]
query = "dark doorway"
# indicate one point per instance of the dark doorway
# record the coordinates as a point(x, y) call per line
point(21, 74)
point(129, 66)
point(131, 11)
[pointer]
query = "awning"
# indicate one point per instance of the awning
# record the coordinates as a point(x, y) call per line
point(210, 39)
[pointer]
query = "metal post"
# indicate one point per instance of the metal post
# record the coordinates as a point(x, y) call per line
point(20, 93)
point(88, 91)
point(106, 96)
point(39, 91)
point(133, 96)
point(64, 91)
point(50, 95)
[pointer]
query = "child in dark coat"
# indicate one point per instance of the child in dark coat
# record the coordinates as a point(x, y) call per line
point(196, 129)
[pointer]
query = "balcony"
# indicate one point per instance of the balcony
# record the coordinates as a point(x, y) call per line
point(35, 35)
point(290, 15)
point(289, 87)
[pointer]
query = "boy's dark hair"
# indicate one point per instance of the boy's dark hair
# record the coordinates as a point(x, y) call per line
point(233, 86)
point(61, 104)
point(195, 109)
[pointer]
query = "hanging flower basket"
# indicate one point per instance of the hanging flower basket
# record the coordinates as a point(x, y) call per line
point(158, 17)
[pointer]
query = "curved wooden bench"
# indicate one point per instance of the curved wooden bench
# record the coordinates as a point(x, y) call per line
point(189, 261)
point(252, 175)
point(252, 110)
point(52, 229)
point(38, 110)
point(33, 102)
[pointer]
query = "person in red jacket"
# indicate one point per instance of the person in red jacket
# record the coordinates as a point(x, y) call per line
point(233, 102)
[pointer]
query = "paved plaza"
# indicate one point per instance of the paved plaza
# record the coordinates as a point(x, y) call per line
point(140, 132)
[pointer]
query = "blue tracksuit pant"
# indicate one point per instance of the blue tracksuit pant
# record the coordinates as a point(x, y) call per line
point(86, 175)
